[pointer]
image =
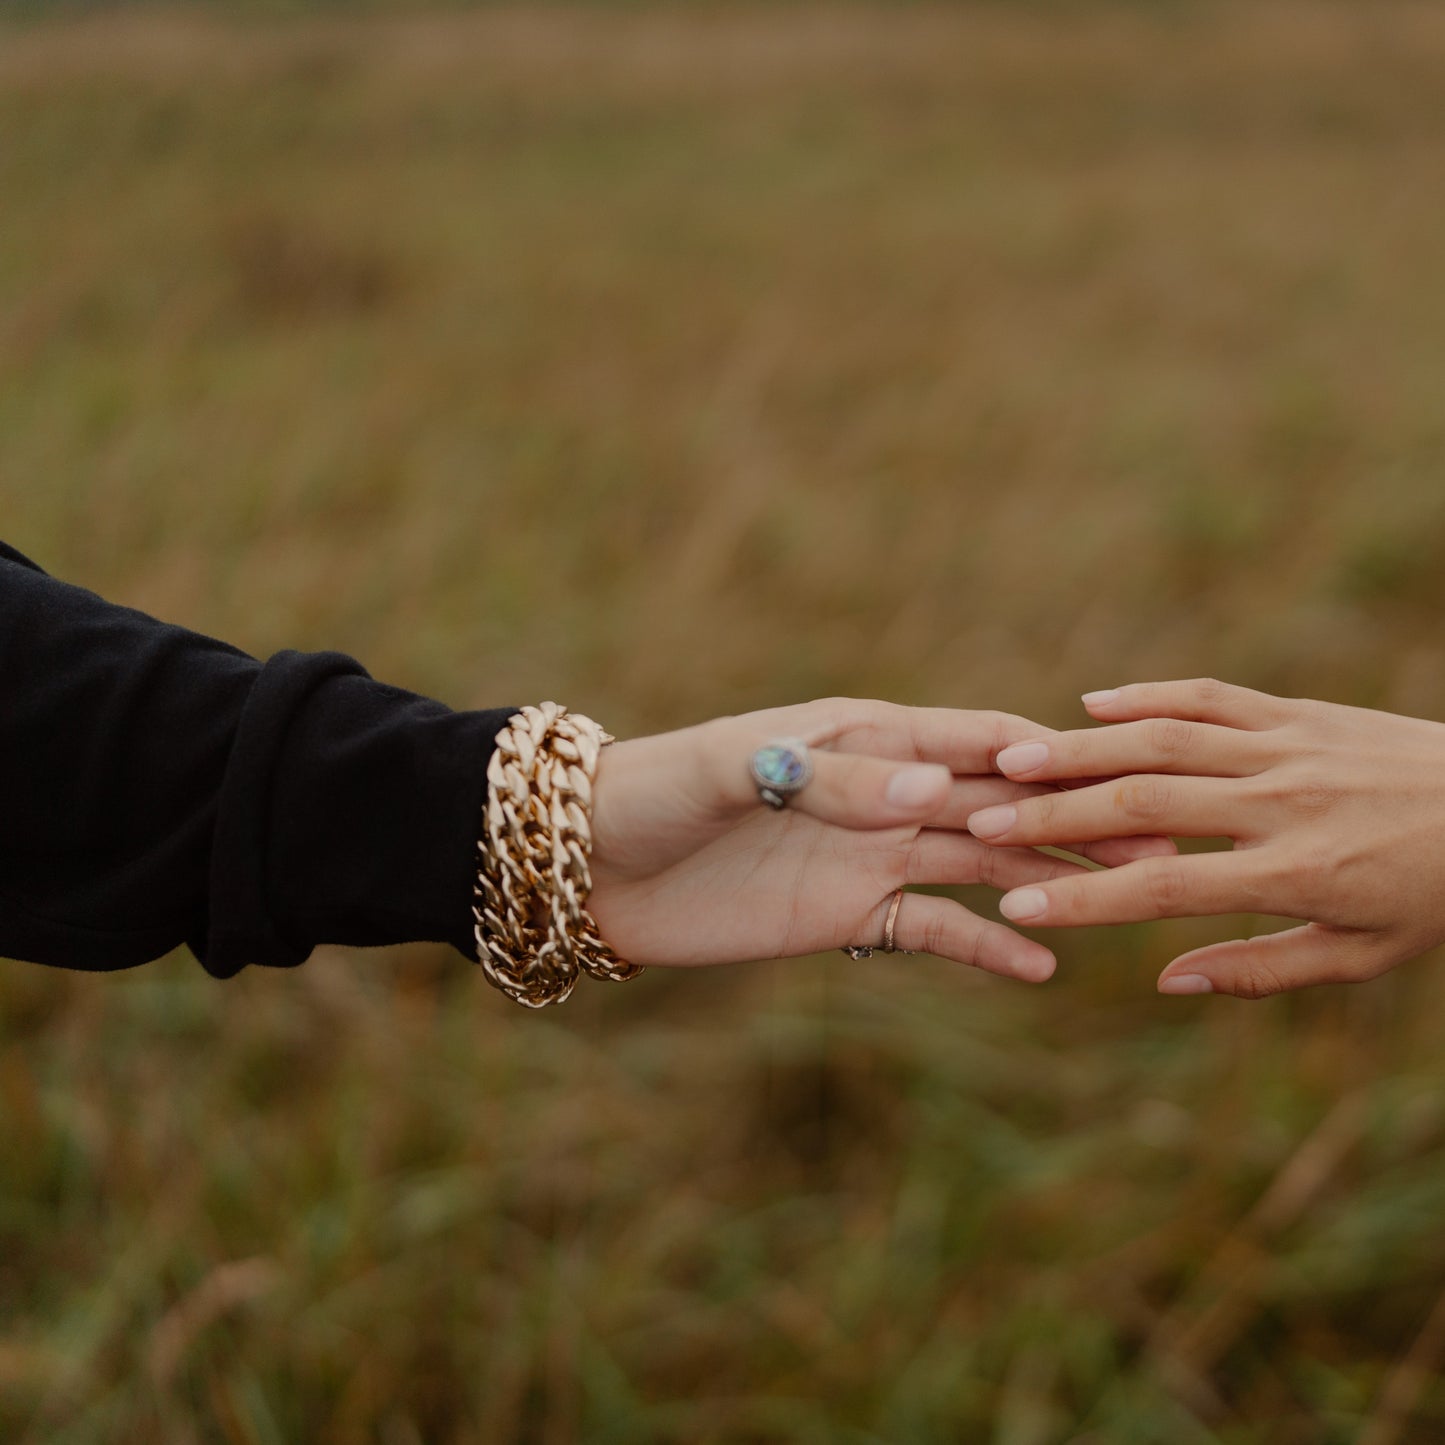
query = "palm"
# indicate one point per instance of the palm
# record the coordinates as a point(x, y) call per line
point(767, 886)
point(689, 868)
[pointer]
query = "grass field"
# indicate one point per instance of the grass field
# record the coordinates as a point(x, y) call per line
point(674, 361)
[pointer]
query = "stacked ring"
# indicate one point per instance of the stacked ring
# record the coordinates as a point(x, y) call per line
point(858, 951)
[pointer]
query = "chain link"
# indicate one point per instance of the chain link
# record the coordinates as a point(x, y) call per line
point(534, 934)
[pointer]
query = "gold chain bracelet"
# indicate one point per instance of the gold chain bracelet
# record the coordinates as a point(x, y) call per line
point(533, 931)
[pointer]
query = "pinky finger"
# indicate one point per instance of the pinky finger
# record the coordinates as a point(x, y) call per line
point(940, 926)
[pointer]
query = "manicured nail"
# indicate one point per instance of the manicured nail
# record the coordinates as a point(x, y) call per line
point(1185, 983)
point(1023, 904)
point(1023, 758)
point(993, 822)
point(914, 787)
point(1099, 699)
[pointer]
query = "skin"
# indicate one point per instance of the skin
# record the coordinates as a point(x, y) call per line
point(1337, 815)
point(690, 868)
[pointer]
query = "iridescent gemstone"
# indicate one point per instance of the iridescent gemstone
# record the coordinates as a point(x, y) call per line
point(780, 769)
point(778, 766)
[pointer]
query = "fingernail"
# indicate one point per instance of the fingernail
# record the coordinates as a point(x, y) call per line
point(1023, 904)
point(993, 822)
point(1185, 983)
point(1098, 699)
point(913, 787)
point(1023, 758)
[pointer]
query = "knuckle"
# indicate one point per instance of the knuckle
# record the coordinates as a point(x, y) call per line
point(1256, 979)
point(1142, 801)
point(1319, 864)
point(1164, 887)
point(846, 712)
point(988, 867)
point(1171, 737)
point(1210, 689)
point(933, 936)
point(1273, 789)
point(1297, 881)
point(1039, 817)
point(1313, 794)
point(1269, 885)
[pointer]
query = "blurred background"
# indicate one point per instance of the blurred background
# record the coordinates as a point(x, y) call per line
point(678, 359)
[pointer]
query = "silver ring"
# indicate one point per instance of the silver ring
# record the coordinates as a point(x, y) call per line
point(780, 770)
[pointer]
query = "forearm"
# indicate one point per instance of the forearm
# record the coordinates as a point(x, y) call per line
point(164, 788)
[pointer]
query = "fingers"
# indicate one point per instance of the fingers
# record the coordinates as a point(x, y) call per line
point(940, 856)
point(1127, 807)
point(1188, 887)
point(973, 794)
point(852, 791)
point(968, 742)
point(1277, 962)
point(1202, 699)
point(1156, 745)
point(962, 740)
point(943, 927)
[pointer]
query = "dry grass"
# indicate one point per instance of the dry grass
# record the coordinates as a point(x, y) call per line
point(676, 362)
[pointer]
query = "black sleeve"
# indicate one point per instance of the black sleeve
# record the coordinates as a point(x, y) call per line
point(159, 787)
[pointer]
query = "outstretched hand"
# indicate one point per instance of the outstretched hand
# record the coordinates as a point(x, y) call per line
point(1337, 816)
point(689, 867)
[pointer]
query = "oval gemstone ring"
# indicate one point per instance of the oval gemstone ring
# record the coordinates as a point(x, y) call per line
point(781, 769)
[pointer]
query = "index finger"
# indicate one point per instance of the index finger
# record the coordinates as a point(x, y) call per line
point(964, 740)
point(1199, 699)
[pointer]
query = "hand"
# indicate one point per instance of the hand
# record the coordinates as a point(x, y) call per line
point(690, 867)
point(1337, 815)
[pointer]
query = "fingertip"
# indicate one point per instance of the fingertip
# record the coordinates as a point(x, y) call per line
point(1036, 966)
point(992, 823)
point(918, 788)
point(1022, 759)
point(1010, 955)
point(1024, 905)
point(1181, 984)
point(1101, 701)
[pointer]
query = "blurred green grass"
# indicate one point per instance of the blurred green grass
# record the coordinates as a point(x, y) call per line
point(675, 363)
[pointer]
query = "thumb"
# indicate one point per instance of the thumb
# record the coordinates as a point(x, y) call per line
point(1275, 962)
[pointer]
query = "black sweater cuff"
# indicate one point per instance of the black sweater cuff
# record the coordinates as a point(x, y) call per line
point(160, 788)
point(349, 814)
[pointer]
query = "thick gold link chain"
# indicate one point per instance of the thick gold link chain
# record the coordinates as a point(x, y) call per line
point(533, 931)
